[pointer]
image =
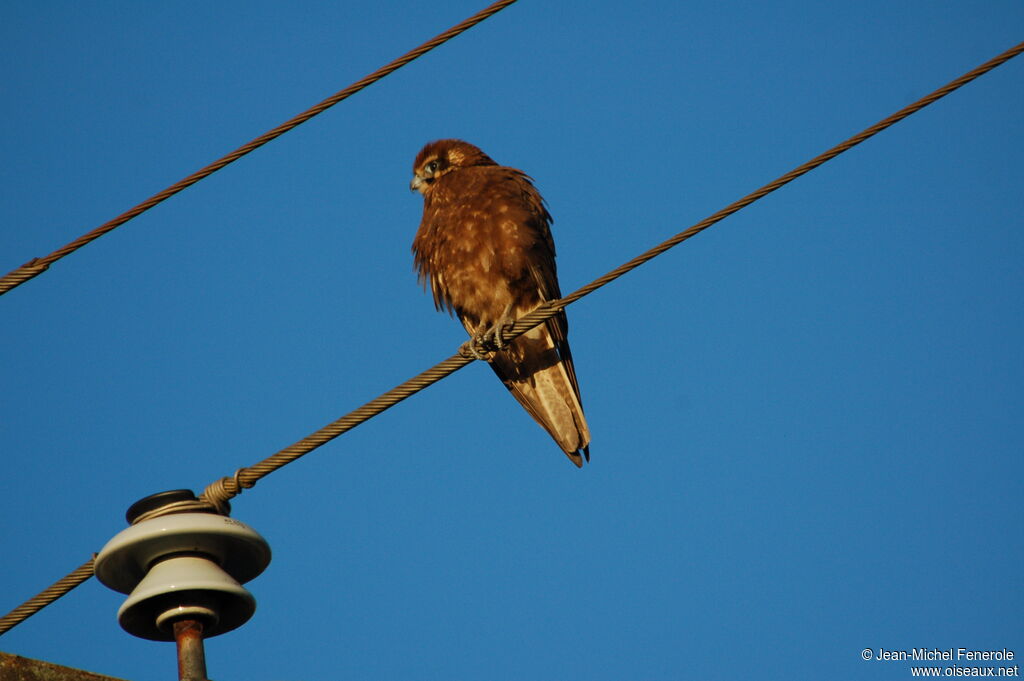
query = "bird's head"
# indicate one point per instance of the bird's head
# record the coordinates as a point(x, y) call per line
point(439, 158)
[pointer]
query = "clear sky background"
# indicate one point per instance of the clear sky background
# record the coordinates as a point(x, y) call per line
point(806, 421)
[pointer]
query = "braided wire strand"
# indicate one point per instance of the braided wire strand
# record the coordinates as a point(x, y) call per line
point(36, 266)
point(47, 596)
point(229, 487)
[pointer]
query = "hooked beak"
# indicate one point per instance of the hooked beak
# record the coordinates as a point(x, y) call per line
point(416, 184)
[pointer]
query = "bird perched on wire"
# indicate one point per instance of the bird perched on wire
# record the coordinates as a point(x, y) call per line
point(485, 247)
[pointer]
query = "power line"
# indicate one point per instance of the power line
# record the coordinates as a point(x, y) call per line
point(224, 489)
point(33, 605)
point(37, 266)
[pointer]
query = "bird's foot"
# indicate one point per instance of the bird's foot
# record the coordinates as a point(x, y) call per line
point(477, 347)
point(484, 344)
point(493, 334)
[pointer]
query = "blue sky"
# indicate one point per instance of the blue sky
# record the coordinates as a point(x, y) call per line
point(806, 421)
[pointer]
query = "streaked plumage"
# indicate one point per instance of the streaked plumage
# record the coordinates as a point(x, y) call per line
point(485, 247)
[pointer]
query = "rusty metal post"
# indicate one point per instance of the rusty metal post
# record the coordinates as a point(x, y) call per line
point(188, 635)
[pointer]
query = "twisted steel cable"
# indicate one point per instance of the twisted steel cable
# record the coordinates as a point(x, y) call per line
point(226, 488)
point(36, 266)
point(33, 605)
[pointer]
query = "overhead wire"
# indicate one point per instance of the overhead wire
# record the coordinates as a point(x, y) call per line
point(218, 492)
point(37, 266)
point(48, 595)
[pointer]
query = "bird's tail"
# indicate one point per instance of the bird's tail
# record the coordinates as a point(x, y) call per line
point(537, 369)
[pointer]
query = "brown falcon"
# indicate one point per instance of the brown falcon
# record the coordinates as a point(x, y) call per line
point(485, 246)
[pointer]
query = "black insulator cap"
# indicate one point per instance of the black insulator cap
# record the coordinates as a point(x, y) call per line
point(155, 501)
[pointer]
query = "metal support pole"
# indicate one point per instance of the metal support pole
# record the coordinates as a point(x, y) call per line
point(188, 634)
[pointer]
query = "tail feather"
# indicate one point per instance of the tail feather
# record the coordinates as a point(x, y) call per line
point(539, 373)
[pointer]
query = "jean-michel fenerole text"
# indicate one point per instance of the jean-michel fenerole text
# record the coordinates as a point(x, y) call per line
point(943, 654)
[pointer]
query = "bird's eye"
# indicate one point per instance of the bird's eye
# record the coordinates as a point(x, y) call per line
point(432, 167)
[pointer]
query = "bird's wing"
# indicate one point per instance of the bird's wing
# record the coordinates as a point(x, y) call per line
point(537, 368)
